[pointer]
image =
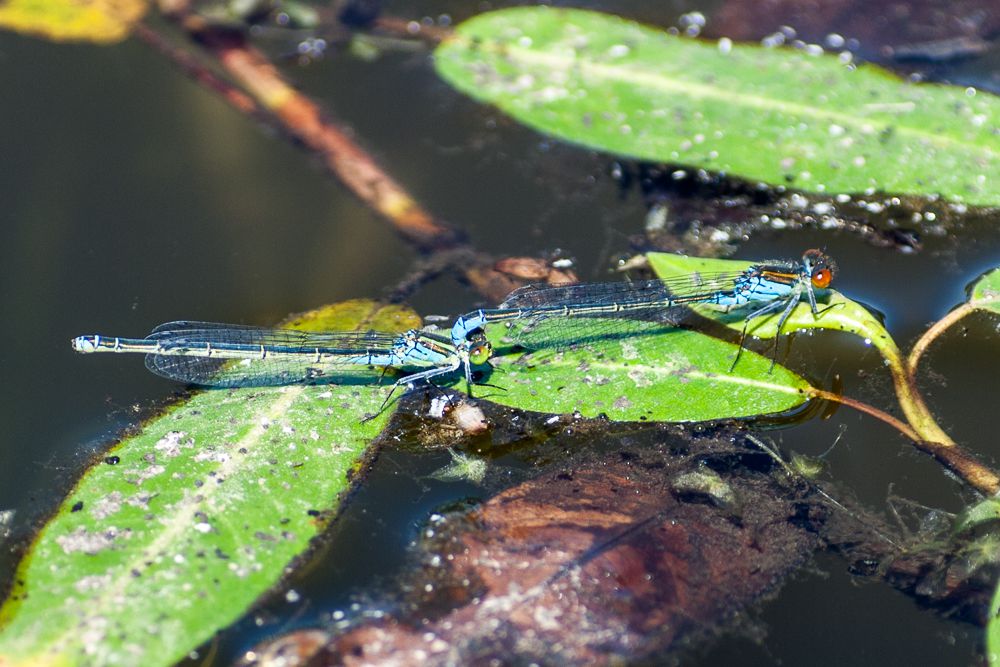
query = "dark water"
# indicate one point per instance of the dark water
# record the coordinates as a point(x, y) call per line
point(130, 196)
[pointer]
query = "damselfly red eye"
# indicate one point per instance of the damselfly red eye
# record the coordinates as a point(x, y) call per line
point(821, 278)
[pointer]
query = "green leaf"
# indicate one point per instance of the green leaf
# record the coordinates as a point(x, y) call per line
point(774, 115)
point(985, 292)
point(661, 374)
point(100, 21)
point(207, 508)
point(837, 312)
point(993, 630)
point(983, 512)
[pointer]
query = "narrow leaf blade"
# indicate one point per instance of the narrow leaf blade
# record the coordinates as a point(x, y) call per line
point(667, 374)
point(207, 507)
point(774, 115)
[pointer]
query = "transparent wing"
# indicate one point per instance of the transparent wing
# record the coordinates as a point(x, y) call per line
point(211, 372)
point(688, 287)
point(216, 333)
point(653, 306)
point(253, 356)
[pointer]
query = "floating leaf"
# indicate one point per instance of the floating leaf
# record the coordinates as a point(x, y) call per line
point(985, 292)
point(775, 115)
point(836, 312)
point(655, 373)
point(193, 518)
point(101, 21)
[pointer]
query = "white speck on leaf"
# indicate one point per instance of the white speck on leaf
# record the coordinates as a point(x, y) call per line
point(90, 542)
point(619, 51)
point(108, 505)
point(639, 378)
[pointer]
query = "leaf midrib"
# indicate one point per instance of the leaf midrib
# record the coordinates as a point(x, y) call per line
point(636, 74)
point(667, 369)
point(180, 520)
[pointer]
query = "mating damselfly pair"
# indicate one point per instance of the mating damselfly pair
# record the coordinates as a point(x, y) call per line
point(224, 355)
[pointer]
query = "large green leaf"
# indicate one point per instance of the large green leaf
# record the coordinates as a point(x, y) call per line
point(655, 373)
point(774, 115)
point(203, 513)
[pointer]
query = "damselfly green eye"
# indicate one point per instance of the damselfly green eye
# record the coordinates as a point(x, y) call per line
point(480, 353)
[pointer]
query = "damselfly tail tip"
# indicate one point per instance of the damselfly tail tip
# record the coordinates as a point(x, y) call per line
point(84, 343)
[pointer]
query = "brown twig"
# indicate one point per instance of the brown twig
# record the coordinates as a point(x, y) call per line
point(302, 119)
point(406, 29)
point(200, 73)
point(939, 327)
point(427, 269)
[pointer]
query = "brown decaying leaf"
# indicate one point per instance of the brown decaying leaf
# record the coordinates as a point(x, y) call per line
point(534, 269)
point(594, 564)
point(506, 275)
point(295, 649)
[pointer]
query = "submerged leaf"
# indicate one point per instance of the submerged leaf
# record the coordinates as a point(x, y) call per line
point(596, 563)
point(774, 115)
point(194, 518)
point(101, 21)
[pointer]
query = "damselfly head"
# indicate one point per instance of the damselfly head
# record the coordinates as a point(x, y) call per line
point(821, 268)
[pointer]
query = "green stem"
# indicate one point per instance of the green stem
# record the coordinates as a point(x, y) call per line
point(932, 438)
point(910, 400)
point(933, 334)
